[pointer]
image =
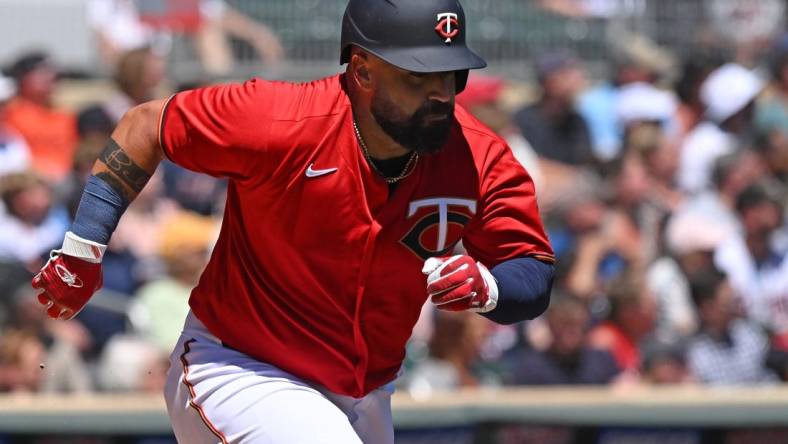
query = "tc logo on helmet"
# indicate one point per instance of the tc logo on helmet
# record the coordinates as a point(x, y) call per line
point(448, 27)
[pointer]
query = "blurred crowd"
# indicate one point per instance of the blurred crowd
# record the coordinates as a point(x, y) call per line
point(662, 187)
point(663, 190)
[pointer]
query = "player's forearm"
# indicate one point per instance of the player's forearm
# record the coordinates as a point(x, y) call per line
point(524, 286)
point(133, 153)
point(73, 274)
point(120, 173)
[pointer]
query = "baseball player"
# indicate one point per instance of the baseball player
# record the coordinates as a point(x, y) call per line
point(346, 196)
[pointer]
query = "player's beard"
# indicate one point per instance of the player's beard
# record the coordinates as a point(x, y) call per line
point(414, 132)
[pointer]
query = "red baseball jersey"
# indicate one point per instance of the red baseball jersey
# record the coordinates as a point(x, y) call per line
point(317, 269)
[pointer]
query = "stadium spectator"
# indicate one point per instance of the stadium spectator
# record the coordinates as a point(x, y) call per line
point(223, 23)
point(771, 115)
point(576, 225)
point(551, 125)
point(126, 25)
point(598, 104)
point(631, 320)
point(626, 236)
point(160, 306)
point(64, 369)
point(731, 175)
point(139, 75)
point(21, 353)
point(131, 364)
point(50, 133)
point(643, 103)
point(568, 359)
point(453, 354)
point(192, 191)
point(729, 94)
point(773, 149)
point(634, 219)
point(626, 228)
point(648, 140)
point(14, 153)
point(32, 223)
point(13, 274)
point(694, 71)
point(691, 240)
point(94, 127)
point(755, 23)
point(482, 97)
point(772, 108)
point(757, 269)
point(727, 350)
point(118, 28)
point(664, 362)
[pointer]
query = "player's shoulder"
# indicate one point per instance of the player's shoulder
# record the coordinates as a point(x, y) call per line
point(295, 101)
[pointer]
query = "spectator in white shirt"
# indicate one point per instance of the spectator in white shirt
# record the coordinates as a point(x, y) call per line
point(728, 94)
point(757, 270)
point(727, 350)
point(14, 153)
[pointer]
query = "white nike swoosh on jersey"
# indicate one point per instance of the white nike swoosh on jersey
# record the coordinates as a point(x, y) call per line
point(315, 173)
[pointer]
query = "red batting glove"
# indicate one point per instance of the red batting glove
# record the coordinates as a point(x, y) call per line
point(459, 283)
point(69, 280)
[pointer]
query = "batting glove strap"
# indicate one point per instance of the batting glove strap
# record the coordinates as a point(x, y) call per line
point(492, 290)
point(81, 248)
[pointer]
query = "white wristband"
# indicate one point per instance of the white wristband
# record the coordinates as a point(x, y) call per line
point(84, 249)
point(492, 288)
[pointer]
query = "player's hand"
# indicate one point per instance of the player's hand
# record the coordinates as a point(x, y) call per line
point(67, 283)
point(459, 283)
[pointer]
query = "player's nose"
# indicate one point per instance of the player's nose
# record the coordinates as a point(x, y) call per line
point(441, 86)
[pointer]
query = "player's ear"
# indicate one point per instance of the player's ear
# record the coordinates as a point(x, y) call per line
point(360, 68)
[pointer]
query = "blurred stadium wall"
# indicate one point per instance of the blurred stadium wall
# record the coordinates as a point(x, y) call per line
point(507, 32)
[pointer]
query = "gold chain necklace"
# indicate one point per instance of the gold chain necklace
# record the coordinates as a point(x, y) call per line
point(409, 167)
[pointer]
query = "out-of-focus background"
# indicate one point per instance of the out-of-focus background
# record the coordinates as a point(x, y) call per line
point(656, 132)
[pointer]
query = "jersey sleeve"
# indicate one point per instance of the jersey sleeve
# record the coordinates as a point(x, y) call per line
point(220, 130)
point(507, 224)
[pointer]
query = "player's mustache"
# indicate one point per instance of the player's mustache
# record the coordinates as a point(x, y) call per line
point(434, 107)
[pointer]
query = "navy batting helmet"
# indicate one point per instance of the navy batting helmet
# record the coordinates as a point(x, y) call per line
point(415, 35)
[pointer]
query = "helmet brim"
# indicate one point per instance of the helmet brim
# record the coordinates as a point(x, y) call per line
point(430, 58)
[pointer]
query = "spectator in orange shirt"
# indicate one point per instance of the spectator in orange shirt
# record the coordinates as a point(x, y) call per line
point(51, 134)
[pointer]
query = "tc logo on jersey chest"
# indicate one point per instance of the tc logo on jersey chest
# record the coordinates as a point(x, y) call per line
point(436, 233)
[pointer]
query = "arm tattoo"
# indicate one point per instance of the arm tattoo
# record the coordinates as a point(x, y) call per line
point(116, 184)
point(116, 159)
